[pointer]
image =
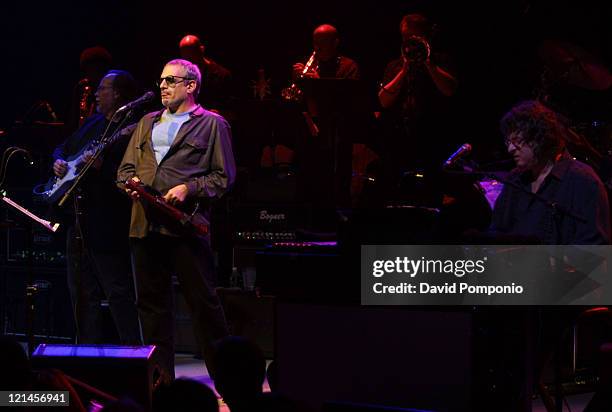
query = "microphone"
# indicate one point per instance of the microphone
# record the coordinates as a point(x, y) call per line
point(49, 110)
point(13, 150)
point(145, 98)
point(27, 155)
point(464, 150)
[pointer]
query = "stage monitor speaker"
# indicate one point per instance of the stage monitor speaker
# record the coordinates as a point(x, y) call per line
point(117, 370)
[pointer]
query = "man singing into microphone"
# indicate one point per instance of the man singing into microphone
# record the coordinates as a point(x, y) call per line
point(185, 153)
point(97, 248)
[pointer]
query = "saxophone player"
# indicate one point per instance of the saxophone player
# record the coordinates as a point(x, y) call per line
point(329, 63)
point(323, 148)
point(324, 62)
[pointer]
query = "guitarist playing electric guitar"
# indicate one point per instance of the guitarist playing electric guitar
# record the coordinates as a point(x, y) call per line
point(97, 244)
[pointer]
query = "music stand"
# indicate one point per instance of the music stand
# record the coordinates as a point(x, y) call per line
point(340, 108)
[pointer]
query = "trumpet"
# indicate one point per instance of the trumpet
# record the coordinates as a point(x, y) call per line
point(416, 49)
point(293, 93)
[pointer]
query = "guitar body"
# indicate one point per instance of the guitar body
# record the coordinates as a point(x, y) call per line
point(56, 187)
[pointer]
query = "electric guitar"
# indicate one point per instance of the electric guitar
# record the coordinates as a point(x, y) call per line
point(76, 165)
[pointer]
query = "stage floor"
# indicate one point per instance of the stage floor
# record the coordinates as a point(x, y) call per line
point(186, 366)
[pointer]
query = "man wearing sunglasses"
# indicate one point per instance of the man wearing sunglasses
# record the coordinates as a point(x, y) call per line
point(185, 153)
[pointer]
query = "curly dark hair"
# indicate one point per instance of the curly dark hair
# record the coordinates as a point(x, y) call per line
point(540, 127)
point(418, 21)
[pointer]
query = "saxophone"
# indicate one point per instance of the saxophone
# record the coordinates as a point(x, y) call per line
point(293, 93)
point(85, 107)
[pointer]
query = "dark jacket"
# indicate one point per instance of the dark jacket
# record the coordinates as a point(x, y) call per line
point(200, 157)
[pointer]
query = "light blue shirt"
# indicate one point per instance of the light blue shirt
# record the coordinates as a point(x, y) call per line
point(165, 131)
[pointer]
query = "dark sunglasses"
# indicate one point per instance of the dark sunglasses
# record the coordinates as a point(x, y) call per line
point(172, 81)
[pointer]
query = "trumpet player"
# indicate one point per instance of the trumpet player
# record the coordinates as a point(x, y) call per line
point(329, 63)
point(414, 97)
point(323, 148)
point(416, 60)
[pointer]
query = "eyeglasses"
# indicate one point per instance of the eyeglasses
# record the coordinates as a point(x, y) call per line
point(516, 142)
point(172, 81)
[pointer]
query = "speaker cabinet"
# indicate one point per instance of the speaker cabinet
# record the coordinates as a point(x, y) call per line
point(117, 370)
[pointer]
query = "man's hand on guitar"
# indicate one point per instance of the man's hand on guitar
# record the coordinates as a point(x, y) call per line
point(177, 194)
point(60, 168)
point(87, 156)
point(132, 193)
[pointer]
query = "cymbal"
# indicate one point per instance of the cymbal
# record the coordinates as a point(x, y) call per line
point(575, 66)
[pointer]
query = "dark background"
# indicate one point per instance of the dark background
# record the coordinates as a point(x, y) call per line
point(493, 44)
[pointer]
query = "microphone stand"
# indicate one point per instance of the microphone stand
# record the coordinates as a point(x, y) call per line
point(75, 236)
point(96, 155)
point(31, 288)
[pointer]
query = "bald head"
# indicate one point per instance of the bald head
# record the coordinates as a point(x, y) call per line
point(325, 41)
point(190, 40)
point(326, 30)
point(191, 49)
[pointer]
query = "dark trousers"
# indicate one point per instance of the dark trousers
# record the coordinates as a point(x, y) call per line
point(93, 276)
point(155, 259)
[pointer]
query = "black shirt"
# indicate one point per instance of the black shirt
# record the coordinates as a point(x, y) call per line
point(575, 188)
